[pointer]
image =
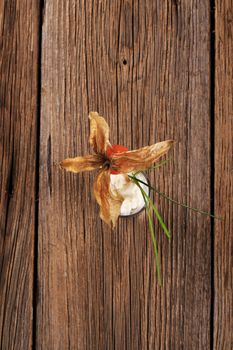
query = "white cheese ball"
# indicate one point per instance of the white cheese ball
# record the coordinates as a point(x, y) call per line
point(133, 199)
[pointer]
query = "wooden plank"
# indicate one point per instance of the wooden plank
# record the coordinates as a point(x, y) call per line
point(223, 306)
point(18, 115)
point(144, 66)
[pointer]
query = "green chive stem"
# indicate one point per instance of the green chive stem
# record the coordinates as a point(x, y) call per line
point(164, 227)
point(157, 261)
point(176, 202)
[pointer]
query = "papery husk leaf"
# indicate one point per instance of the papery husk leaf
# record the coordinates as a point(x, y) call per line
point(139, 159)
point(109, 201)
point(99, 133)
point(79, 164)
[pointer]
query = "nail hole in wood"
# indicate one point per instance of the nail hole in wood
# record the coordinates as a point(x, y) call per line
point(124, 62)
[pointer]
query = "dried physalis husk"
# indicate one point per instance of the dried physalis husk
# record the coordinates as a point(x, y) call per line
point(124, 162)
point(109, 201)
point(140, 159)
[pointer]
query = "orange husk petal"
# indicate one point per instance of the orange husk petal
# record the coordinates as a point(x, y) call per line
point(139, 159)
point(109, 201)
point(79, 164)
point(99, 133)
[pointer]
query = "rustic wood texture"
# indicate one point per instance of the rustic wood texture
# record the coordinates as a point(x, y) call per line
point(223, 286)
point(145, 66)
point(18, 114)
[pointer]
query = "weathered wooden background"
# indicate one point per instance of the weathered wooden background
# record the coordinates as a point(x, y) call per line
point(155, 70)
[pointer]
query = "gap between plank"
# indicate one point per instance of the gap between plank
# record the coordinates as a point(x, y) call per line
point(212, 161)
point(37, 177)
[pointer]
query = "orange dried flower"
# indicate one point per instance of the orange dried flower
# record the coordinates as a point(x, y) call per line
point(112, 159)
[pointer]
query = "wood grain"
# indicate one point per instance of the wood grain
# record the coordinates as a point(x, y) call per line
point(18, 121)
point(223, 286)
point(145, 66)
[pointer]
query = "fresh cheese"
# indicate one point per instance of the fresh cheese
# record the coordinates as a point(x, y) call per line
point(133, 199)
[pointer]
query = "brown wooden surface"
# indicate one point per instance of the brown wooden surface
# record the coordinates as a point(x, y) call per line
point(223, 306)
point(148, 67)
point(18, 118)
point(98, 288)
